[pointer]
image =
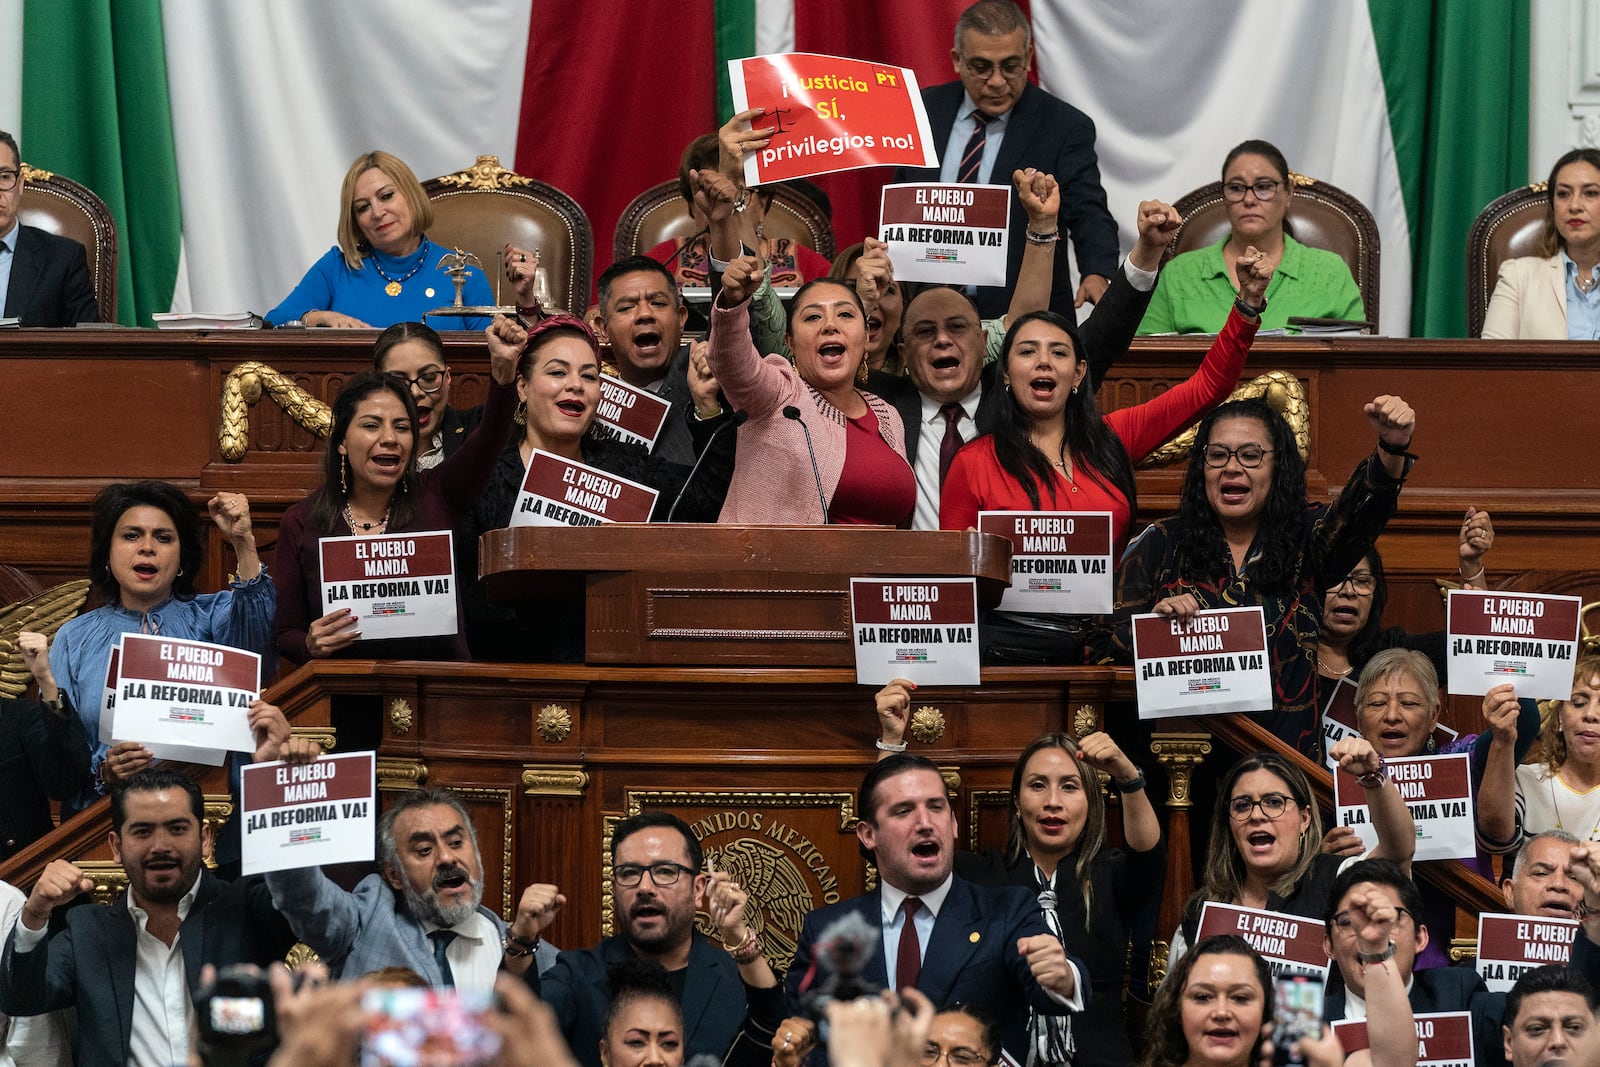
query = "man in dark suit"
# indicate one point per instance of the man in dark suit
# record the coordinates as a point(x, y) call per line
point(1434, 989)
point(1551, 1019)
point(45, 277)
point(1019, 125)
point(730, 997)
point(956, 942)
point(44, 753)
point(944, 353)
point(132, 969)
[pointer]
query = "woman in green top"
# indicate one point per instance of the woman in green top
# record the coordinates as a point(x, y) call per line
point(1197, 288)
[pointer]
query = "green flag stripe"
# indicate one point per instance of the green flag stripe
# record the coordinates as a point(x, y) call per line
point(95, 109)
point(736, 39)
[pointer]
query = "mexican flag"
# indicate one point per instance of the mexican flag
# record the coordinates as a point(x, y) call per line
point(218, 132)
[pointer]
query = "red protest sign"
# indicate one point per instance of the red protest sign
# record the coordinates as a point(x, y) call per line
point(831, 114)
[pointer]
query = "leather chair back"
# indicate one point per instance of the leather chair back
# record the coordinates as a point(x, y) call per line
point(1320, 216)
point(660, 213)
point(63, 207)
point(486, 206)
point(1509, 227)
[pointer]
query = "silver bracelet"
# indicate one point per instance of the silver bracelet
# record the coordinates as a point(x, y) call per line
point(884, 746)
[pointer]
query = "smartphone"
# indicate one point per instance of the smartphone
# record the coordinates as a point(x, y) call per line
point(409, 1027)
point(1297, 1014)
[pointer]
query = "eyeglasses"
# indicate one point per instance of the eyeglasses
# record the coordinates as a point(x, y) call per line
point(628, 875)
point(925, 333)
point(1344, 923)
point(960, 1056)
point(8, 180)
point(1265, 190)
point(1248, 455)
point(1360, 583)
point(1014, 67)
point(1272, 806)
point(429, 381)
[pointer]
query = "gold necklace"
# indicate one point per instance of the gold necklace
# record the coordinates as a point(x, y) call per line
point(394, 286)
point(1331, 673)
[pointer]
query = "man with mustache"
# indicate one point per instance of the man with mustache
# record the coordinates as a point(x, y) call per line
point(1551, 1020)
point(424, 909)
point(730, 997)
point(132, 969)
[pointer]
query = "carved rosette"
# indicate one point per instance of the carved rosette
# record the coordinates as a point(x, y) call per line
point(554, 779)
point(554, 723)
point(486, 173)
point(400, 774)
point(927, 724)
point(1180, 754)
point(1085, 720)
point(244, 386)
point(401, 717)
point(300, 955)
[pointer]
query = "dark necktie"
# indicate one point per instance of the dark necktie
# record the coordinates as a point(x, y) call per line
point(908, 962)
point(951, 444)
point(441, 940)
point(972, 158)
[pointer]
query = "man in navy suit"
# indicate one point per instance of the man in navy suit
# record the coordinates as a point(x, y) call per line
point(1551, 1019)
point(988, 948)
point(1023, 126)
point(132, 969)
point(45, 278)
point(1436, 989)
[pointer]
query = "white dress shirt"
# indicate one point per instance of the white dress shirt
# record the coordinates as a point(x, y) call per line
point(894, 920)
point(961, 133)
point(930, 435)
point(475, 953)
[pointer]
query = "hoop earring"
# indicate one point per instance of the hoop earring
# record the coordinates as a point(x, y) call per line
point(179, 574)
point(520, 416)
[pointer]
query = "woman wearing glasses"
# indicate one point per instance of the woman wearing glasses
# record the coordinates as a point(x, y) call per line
point(1264, 847)
point(1197, 286)
point(1245, 535)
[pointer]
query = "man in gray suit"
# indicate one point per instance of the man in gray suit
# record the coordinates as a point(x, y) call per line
point(424, 909)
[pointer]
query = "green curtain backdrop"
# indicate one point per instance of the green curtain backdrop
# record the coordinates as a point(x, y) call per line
point(1456, 76)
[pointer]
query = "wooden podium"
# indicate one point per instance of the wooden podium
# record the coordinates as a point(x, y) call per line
point(699, 595)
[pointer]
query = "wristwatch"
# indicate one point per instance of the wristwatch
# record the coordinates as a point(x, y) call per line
point(1248, 311)
point(1375, 957)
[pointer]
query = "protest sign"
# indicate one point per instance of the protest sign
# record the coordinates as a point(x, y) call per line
point(1291, 944)
point(1060, 560)
point(629, 413)
point(1511, 945)
point(564, 492)
point(1527, 639)
point(210, 757)
point(307, 815)
point(1214, 662)
point(946, 234)
point(1438, 792)
point(830, 114)
point(1444, 1039)
point(400, 585)
point(921, 629)
point(191, 694)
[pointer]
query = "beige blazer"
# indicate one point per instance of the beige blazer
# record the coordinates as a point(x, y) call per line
point(1529, 301)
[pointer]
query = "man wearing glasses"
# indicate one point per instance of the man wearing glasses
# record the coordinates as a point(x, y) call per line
point(1381, 885)
point(992, 122)
point(730, 997)
point(45, 278)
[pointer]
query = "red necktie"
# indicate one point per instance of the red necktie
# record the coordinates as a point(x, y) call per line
point(908, 963)
point(951, 444)
point(972, 158)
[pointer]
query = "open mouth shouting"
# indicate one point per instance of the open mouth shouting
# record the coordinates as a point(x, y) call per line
point(647, 343)
point(1260, 844)
point(1042, 387)
point(452, 881)
point(147, 572)
point(1234, 491)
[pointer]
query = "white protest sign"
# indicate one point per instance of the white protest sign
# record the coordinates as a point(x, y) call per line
point(1438, 792)
point(1060, 560)
point(948, 234)
point(210, 757)
point(307, 815)
point(397, 585)
point(630, 413)
point(1510, 945)
point(186, 693)
point(1215, 662)
point(564, 492)
point(921, 629)
point(1527, 639)
point(1291, 944)
point(1444, 1039)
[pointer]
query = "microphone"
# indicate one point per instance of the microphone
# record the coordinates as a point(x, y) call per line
point(792, 412)
point(736, 421)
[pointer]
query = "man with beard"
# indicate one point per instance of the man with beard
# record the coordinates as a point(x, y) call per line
point(730, 997)
point(132, 969)
point(424, 909)
point(954, 941)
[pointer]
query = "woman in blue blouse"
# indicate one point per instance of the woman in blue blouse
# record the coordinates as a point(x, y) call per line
point(384, 269)
point(146, 548)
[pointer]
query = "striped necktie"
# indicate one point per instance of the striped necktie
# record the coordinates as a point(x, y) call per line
point(972, 158)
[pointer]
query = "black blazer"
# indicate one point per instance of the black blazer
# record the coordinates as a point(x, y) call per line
point(1106, 335)
point(91, 961)
point(50, 281)
point(43, 757)
point(1051, 135)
